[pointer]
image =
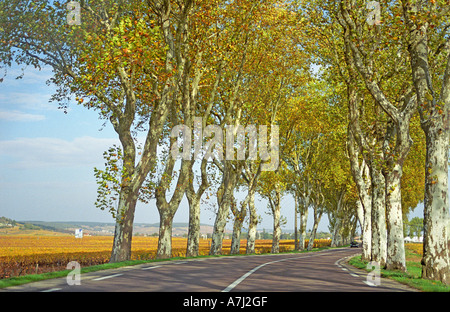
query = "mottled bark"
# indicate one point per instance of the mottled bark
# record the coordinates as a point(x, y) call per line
point(239, 217)
point(395, 241)
point(164, 250)
point(121, 250)
point(397, 141)
point(167, 209)
point(252, 226)
point(317, 216)
point(224, 200)
point(379, 248)
point(303, 224)
point(251, 179)
point(194, 198)
point(436, 258)
point(276, 213)
point(434, 114)
point(193, 240)
point(360, 174)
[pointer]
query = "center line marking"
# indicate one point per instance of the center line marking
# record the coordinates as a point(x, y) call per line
point(106, 277)
point(243, 277)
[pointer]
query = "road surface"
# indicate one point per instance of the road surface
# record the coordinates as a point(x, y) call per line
point(324, 271)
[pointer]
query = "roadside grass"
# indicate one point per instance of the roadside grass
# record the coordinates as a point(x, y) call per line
point(412, 277)
point(20, 280)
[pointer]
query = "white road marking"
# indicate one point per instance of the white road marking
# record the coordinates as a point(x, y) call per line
point(106, 277)
point(152, 267)
point(370, 284)
point(51, 289)
point(243, 277)
point(338, 263)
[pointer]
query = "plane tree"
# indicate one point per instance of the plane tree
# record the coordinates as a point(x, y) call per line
point(426, 32)
point(105, 63)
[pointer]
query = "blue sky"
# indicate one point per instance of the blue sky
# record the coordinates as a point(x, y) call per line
point(46, 156)
point(47, 159)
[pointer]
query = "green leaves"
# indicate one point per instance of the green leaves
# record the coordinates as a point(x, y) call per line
point(109, 180)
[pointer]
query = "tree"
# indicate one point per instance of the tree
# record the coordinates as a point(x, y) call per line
point(174, 19)
point(107, 64)
point(272, 188)
point(255, 79)
point(414, 227)
point(426, 32)
point(397, 141)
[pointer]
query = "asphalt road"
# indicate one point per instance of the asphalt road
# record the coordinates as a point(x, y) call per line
point(325, 271)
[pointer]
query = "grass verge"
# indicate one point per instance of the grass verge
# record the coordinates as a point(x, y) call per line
point(20, 280)
point(412, 277)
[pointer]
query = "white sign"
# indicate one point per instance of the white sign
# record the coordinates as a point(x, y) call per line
point(79, 233)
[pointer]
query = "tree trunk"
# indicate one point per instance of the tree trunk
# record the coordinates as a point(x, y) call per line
point(194, 200)
point(362, 180)
point(224, 200)
point(367, 231)
point(276, 227)
point(378, 217)
point(167, 209)
point(434, 116)
point(239, 217)
point(165, 235)
point(360, 215)
point(395, 244)
point(317, 217)
point(303, 224)
point(123, 234)
point(192, 249)
point(219, 227)
point(336, 239)
point(435, 261)
point(251, 239)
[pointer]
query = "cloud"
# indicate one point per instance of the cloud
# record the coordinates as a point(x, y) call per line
point(34, 101)
point(20, 116)
point(31, 75)
point(44, 152)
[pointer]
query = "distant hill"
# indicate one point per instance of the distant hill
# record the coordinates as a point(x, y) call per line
point(12, 227)
point(6, 222)
point(102, 228)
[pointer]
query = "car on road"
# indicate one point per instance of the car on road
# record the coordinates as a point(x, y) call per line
point(354, 245)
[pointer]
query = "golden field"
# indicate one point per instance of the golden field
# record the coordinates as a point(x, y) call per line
point(21, 255)
point(416, 248)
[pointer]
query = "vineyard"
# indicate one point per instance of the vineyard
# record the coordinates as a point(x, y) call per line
point(22, 255)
